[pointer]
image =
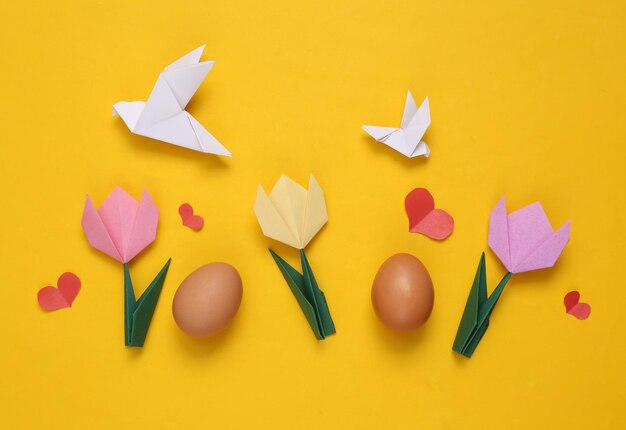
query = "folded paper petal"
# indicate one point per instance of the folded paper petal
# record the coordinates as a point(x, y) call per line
point(145, 226)
point(547, 253)
point(316, 213)
point(529, 227)
point(271, 222)
point(122, 227)
point(524, 240)
point(96, 232)
point(291, 214)
point(289, 199)
point(499, 234)
point(118, 213)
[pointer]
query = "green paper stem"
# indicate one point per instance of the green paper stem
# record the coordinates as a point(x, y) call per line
point(138, 313)
point(327, 326)
point(308, 294)
point(476, 297)
point(484, 314)
point(478, 309)
point(129, 304)
point(295, 281)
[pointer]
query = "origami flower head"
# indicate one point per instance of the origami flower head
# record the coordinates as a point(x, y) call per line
point(291, 214)
point(524, 240)
point(122, 227)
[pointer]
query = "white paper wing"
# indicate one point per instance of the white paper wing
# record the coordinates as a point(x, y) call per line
point(187, 60)
point(176, 130)
point(379, 133)
point(410, 109)
point(399, 142)
point(208, 143)
point(185, 82)
point(161, 104)
point(421, 120)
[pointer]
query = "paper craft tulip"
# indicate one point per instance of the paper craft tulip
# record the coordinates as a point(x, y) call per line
point(122, 228)
point(292, 215)
point(523, 241)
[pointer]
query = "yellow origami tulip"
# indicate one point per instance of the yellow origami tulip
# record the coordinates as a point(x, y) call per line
point(292, 215)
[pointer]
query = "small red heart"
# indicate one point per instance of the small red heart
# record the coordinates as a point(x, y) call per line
point(573, 307)
point(194, 222)
point(51, 299)
point(424, 218)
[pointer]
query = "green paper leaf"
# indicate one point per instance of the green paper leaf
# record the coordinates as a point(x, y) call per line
point(475, 319)
point(143, 308)
point(296, 283)
point(308, 294)
point(475, 338)
point(484, 313)
point(470, 314)
point(325, 321)
point(129, 305)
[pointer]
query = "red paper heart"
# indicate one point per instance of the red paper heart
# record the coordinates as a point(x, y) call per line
point(194, 222)
point(51, 299)
point(424, 218)
point(576, 308)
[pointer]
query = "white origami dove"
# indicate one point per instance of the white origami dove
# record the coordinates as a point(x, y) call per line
point(407, 139)
point(163, 116)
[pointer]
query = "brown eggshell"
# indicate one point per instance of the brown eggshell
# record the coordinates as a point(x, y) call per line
point(402, 293)
point(207, 300)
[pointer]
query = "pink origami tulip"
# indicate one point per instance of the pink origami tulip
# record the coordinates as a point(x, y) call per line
point(122, 227)
point(524, 240)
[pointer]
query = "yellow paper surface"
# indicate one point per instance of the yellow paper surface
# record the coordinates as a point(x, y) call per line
point(291, 214)
point(289, 198)
point(271, 220)
point(527, 100)
point(316, 214)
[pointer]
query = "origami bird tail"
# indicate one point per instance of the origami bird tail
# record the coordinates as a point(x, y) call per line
point(138, 313)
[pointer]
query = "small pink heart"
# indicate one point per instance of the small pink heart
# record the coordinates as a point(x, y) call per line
point(194, 222)
point(51, 299)
point(424, 218)
point(574, 307)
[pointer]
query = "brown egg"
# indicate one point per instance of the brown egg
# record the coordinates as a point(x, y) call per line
point(402, 293)
point(207, 300)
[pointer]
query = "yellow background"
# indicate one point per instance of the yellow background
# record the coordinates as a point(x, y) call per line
point(527, 100)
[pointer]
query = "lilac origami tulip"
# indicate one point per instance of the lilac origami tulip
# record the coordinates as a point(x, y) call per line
point(122, 228)
point(524, 240)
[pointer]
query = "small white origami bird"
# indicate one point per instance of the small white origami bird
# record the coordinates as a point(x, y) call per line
point(407, 139)
point(163, 116)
